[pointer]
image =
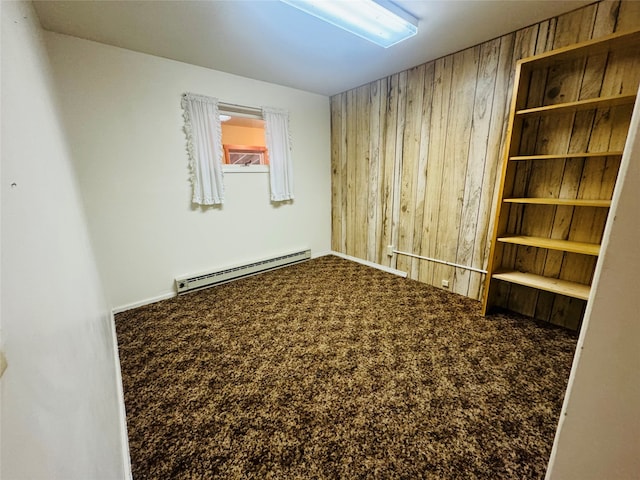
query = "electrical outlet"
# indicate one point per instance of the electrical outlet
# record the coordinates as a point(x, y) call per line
point(445, 283)
point(390, 250)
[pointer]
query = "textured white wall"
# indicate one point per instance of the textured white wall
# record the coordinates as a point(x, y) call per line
point(124, 121)
point(60, 412)
point(599, 432)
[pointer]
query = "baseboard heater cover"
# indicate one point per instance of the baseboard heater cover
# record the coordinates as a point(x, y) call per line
point(188, 283)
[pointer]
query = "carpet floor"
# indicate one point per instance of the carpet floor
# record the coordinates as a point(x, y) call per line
point(329, 369)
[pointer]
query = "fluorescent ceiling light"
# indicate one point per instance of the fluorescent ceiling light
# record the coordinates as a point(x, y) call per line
point(379, 21)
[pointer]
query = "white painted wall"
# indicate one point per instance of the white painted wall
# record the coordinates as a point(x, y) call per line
point(60, 409)
point(124, 121)
point(599, 432)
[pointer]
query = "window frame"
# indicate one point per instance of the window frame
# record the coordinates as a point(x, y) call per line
point(234, 110)
point(256, 149)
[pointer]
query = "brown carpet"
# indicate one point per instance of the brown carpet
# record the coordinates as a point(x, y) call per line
point(333, 370)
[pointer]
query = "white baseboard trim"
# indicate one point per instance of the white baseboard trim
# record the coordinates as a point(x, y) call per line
point(167, 295)
point(384, 268)
point(124, 434)
point(142, 303)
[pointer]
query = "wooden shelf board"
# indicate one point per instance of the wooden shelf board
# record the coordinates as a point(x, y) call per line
point(551, 244)
point(615, 41)
point(553, 285)
point(588, 104)
point(570, 202)
point(566, 155)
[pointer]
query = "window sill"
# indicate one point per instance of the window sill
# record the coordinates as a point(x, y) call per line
point(245, 169)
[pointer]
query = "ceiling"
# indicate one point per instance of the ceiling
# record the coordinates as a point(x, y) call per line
point(274, 42)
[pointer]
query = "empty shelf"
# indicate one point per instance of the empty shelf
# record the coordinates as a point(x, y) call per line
point(553, 285)
point(567, 155)
point(570, 202)
point(563, 245)
point(600, 102)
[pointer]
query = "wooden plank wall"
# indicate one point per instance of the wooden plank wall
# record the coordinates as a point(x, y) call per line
point(415, 156)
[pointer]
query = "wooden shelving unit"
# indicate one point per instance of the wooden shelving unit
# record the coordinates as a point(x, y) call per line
point(568, 122)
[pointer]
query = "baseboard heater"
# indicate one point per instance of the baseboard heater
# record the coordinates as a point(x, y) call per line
point(189, 283)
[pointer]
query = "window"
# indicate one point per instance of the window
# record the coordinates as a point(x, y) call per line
point(243, 140)
point(257, 140)
point(211, 150)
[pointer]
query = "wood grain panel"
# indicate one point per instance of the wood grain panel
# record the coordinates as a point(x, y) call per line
point(352, 161)
point(410, 158)
point(388, 162)
point(478, 145)
point(398, 160)
point(338, 164)
point(464, 82)
point(423, 168)
point(363, 107)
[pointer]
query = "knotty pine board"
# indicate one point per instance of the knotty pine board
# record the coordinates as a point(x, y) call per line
point(375, 143)
point(363, 107)
point(425, 141)
point(498, 117)
point(410, 159)
point(338, 163)
point(478, 144)
point(389, 110)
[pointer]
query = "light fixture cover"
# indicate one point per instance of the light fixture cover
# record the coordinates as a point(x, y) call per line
point(379, 21)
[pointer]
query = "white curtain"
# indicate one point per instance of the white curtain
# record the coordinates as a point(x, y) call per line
point(279, 147)
point(204, 146)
